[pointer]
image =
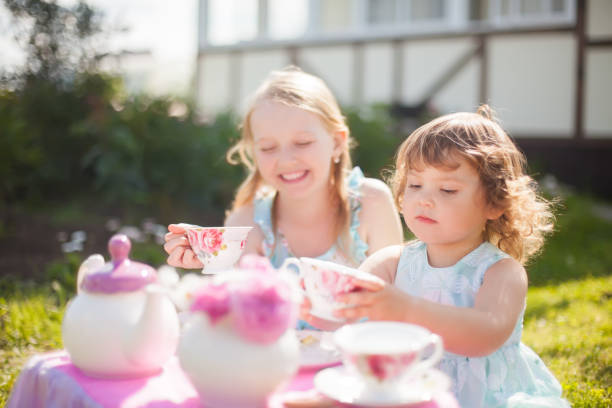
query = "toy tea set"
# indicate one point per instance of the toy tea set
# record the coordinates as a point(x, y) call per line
point(237, 342)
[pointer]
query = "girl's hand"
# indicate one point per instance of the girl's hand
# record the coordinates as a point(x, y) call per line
point(315, 321)
point(379, 301)
point(177, 246)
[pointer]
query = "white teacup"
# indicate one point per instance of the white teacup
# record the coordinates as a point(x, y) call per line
point(218, 248)
point(384, 354)
point(323, 281)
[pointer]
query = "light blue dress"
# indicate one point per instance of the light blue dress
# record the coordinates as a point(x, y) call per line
point(276, 248)
point(512, 376)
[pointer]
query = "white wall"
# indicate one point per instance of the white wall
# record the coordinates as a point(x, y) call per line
point(377, 73)
point(598, 93)
point(462, 93)
point(424, 63)
point(334, 65)
point(214, 94)
point(598, 86)
point(532, 83)
point(255, 68)
point(599, 16)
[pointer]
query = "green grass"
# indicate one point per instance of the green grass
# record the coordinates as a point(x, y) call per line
point(30, 321)
point(568, 321)
point(570, 326)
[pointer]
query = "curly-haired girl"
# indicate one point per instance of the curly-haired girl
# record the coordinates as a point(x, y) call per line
point(461, 186)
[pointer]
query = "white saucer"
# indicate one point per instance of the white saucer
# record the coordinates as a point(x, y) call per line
point(317, 349)
point(340, 385)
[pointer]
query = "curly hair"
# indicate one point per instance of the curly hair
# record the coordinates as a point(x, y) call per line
point(526, 217)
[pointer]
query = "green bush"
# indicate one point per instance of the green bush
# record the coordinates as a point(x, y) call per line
point(60, 144)
point(376, 141)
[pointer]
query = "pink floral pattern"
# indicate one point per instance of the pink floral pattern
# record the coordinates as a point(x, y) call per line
point(263, 309)
point(259, 305)
point(336, 283)
point(214, 300)
point(208, 240)
point(384, 367)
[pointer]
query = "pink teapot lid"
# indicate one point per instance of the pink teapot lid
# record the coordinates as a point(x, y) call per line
point(121, 274)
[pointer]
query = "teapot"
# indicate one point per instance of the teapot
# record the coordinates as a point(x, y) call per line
point(238, 344)
point(121, 324)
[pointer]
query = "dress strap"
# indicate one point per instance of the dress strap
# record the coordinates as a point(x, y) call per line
point(481, 259)
point(354, 182)
point(262, 215)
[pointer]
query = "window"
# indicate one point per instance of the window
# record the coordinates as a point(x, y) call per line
point(478, 10)
point(287, 19)
point(400, 12)
point(522, 12)
point(231, 21)
point(420, 10)
point(235, 21)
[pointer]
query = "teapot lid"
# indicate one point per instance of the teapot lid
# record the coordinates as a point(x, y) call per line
point(121, 274)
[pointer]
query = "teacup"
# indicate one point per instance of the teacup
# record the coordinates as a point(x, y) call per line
point(384, 354)
point(324, 281)
point(218, 248)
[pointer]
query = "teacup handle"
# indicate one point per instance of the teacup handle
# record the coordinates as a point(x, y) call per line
point(298, 265)
point(291, 261)
point(436, 356)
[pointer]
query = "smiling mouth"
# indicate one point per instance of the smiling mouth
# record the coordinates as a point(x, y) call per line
point(425, 220)
point(293, 177)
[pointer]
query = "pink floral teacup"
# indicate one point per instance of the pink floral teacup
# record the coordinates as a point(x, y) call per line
point(218, 248)
point(384, 354)
point(324, 281)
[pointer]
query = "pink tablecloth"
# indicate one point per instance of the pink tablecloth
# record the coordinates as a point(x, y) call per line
point(50, 380)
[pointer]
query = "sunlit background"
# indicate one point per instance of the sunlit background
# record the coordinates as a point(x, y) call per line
point(151, 42)
point(119, 121)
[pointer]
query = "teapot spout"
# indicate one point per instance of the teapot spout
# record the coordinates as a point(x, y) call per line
point(155, 336)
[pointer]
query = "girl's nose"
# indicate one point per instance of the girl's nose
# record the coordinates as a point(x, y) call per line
point(425, 200)
point(286, 155)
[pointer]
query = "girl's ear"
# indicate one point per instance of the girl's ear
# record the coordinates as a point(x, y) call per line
point(340, 137)
point(493, 212)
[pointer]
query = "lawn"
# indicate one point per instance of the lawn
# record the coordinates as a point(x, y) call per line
point(568, 321)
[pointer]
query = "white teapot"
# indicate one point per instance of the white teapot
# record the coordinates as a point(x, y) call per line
point(238, 344)
point(121, 324)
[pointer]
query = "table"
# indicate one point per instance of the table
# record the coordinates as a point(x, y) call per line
point(51, 380)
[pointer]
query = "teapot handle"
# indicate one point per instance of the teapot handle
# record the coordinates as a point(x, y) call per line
point(94, 262)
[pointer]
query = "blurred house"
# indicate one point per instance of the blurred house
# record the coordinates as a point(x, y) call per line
point(134, 68)
point(544, 65)
point(142, 73)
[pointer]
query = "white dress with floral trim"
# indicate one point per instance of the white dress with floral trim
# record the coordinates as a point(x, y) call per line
point(513, 375)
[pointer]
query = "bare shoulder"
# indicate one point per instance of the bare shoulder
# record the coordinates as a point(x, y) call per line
point(383, 262)
point(379, 219)
point(374, 191)
point(509, 273)
point(375, 198)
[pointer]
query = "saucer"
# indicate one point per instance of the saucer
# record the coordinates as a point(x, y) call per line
point(342, 386)
point(317, 349)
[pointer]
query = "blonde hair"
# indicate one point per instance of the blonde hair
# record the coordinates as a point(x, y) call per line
point(293, 87)
point(477, 137)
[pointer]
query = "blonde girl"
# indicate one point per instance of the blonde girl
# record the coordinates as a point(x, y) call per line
point(301, 195)
point(461, 186)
